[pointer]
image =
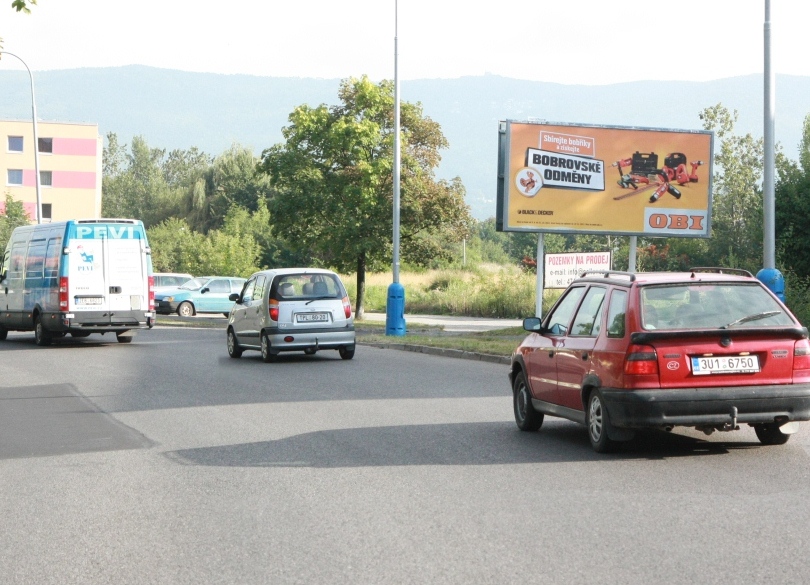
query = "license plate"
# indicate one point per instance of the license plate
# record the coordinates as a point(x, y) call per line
point(311, 317)
point(88, 300)
point(725, 364)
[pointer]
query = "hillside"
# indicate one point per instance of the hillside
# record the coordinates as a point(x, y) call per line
point(176, 109)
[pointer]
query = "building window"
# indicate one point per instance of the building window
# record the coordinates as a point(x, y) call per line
point(46, 178)
point(46, 212)
point(46, 145)
point(15, 143)
point(15, 177)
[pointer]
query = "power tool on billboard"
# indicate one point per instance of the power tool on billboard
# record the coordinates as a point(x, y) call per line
point(644, 174)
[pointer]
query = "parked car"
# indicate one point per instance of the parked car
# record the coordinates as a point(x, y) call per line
point(291, 309)
point(710, 349)
point(204, 294)
point(164, 280)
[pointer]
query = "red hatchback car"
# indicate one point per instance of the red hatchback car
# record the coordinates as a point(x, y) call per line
point(709, 349)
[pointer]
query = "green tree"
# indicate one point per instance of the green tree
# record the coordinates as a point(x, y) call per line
point(793, 210)
point(13, 216)
point(334, 178)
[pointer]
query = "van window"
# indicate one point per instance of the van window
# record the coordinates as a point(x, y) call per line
point(52, 257)
point(17, 260)
point(35, 262)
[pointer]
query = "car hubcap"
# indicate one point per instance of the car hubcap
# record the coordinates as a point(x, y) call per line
point(522, 401)
point(595, 419)
point(231, 344)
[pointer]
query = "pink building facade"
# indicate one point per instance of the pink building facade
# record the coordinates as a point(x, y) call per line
point(70, 157)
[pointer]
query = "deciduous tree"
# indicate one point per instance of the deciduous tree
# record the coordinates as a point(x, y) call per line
point(334, 176)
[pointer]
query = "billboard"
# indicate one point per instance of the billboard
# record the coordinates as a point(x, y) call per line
point(562, 269)
point(555, 177)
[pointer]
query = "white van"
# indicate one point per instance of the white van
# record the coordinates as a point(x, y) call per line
point(78, 276)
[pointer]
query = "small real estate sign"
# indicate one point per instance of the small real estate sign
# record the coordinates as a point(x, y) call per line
point(604, 180)
point(560, 270)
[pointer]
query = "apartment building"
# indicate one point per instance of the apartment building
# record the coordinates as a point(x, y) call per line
point(69, 168)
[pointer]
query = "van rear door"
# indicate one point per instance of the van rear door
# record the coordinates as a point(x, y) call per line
point(108, 271)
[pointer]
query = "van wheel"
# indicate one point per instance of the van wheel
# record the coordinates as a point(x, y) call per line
point(124, 338)
point(185, 309)
point(3, 333)
point(233, 346)
point(80, 334)
point(42, 336)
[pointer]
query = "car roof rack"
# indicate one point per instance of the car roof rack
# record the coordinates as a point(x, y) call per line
point(609, 274)
point(721, 270)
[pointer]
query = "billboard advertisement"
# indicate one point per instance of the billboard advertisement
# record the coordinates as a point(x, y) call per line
point(555, 177)
point(562, 269)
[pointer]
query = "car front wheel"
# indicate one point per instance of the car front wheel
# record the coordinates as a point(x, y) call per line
point(770, 434)
point(598, 423)
point(526, 417)
point(185, 309)
point(233, 345)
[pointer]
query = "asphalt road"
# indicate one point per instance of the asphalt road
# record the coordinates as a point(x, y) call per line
point(164, 461)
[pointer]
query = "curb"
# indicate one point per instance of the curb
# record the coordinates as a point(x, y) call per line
point(444, 352)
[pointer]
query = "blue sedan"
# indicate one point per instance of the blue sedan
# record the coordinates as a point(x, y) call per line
point(205, 294)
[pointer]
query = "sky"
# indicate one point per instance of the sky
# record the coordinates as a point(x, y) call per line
point(572, 42)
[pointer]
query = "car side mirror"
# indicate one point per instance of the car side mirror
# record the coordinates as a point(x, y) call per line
point(204, 290)
point(533, 324)
point(235, 298)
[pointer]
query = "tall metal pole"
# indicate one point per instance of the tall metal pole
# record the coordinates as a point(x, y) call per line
point(396, 148)
point(769, 201)
point(395, 307)
point(769, 275)
point(36, 137)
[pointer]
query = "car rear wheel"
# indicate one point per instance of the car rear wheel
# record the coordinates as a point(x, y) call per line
point(185, 309)
point(79, 333)
point(526, 417)
point(598, 423)
point(124, 337)
point(42, 336)
point(346, 353)
point(3, 333)
point(267, 353)
point(770, 434)
point(233, 345)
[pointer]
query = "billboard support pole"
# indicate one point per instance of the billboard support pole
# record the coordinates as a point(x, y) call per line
point(538, 304)
point(631, 255)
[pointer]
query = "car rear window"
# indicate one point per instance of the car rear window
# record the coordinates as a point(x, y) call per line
point(710, 305)
point(306, 286)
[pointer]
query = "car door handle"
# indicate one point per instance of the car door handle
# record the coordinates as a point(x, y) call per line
point(585, 356)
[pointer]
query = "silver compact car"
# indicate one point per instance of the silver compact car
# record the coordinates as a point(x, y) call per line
point(291, 309)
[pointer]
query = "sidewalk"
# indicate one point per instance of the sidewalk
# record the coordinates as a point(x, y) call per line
point(451, 323)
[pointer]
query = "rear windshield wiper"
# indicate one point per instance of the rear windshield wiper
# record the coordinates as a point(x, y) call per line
point(757, 317)
point(320, 298)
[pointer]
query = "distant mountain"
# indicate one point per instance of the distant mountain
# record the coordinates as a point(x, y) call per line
point(176, 109)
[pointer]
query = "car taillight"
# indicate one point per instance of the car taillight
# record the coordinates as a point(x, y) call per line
point(151, 293)
point(347, 307)
point(801, 355)
point(63, 293)
point(272, 309)
point(641, 360)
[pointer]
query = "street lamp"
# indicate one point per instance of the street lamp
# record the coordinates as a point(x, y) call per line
point(36, 137)
point(395, 306)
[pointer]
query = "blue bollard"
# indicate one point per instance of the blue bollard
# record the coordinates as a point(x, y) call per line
point(395, 310)
point(774, 280)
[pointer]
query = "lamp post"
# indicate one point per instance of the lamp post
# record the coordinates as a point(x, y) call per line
point(36, 137)
point(395, 306)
